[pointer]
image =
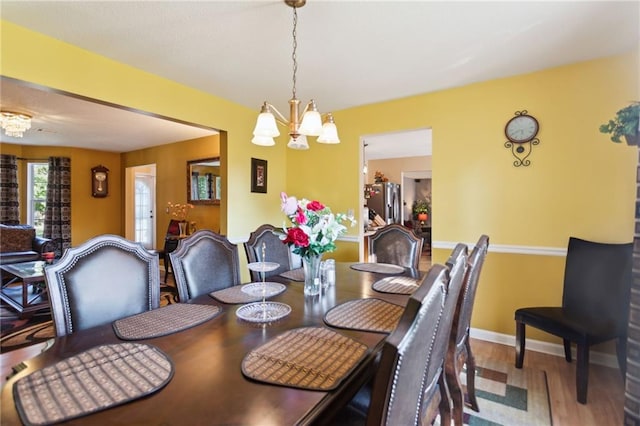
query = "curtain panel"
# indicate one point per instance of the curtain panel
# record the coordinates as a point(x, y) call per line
point(9, 202)
point(57, 218)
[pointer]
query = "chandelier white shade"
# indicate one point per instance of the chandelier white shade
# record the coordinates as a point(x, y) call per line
point(312, 121)
point(299, 142)
point(15, 124)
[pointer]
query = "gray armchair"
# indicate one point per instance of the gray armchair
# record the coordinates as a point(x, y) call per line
point(104, 279)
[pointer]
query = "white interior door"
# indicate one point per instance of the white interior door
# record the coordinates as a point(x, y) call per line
point(144, 212)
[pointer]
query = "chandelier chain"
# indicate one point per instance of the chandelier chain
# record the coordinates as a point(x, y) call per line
point(295, 46)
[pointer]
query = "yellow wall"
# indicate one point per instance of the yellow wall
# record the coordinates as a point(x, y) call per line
point(579, 183)
point(89, 216)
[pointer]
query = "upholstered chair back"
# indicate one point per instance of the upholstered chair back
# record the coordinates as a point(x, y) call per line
point(204, 262)
point(102, 280)
point(410, 376)
point(275, 251)
point(397, 245)
point(462, 320)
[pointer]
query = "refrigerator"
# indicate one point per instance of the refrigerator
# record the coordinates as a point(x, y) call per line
point(385, 201)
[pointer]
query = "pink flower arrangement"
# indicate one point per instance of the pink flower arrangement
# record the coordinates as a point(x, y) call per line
point(314, 228)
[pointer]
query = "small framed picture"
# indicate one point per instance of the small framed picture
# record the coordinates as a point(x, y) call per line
point(258, 175)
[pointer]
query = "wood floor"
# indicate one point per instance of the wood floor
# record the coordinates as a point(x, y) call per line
point(605, 400)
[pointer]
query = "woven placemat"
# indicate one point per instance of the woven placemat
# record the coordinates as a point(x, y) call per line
point(162, 321)
point(294, 274)
point(235, 295)
point(378, 268)
point(94, 380)
point(366, 315)
point(313, 358)
point(397, 285)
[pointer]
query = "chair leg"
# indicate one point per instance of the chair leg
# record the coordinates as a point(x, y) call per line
point(452, 376)
point(167, 267)
point(567, 349)
point(582, 373)
point(520, 338)
point(444, 407)
point(471, 377)
point(621, 351)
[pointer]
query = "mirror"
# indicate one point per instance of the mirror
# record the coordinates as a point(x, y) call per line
point(204, 181)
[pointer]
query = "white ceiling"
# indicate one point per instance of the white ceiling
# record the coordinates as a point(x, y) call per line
point(61, 120)
point(350, 53)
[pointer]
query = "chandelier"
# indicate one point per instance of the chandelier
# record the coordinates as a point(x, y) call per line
point(14, 123)
point(311, 125)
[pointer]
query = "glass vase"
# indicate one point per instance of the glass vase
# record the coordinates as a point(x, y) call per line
point(311, 265)
point(182, 226)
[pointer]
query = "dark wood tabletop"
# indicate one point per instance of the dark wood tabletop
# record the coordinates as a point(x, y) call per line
point(208, 386)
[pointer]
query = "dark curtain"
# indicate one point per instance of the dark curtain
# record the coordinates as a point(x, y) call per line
point(9, 203)
point(57, 216)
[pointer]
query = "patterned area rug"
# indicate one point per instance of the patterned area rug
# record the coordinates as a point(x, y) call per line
point(18, 333)
point(509, 396)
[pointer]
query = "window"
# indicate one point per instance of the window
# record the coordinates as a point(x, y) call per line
point(37, 195)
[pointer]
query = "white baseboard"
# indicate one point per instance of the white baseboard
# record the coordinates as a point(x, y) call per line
point(600, 358)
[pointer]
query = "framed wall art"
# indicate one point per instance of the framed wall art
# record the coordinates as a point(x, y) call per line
point(258, 175)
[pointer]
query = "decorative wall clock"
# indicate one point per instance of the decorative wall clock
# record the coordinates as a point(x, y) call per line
point(521, 132)
point(99, 181)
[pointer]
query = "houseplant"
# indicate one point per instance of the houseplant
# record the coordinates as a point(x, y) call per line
point(421, 209)
point(625, 123)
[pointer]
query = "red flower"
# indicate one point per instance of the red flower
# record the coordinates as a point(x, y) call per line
point(315, 206)
point(301, 218)
point(297, 237)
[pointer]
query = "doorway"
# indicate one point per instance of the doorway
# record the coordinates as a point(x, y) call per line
point(399, 156)
point(140, 205)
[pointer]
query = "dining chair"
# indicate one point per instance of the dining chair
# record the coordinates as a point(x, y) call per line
point(275, 251)
point(409, 387)
point(204, 262)
point(459, 351)
point(595, 305)
point(101, 280)
point(396, 244)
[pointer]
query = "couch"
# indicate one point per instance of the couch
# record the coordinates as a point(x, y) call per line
point(19, 243)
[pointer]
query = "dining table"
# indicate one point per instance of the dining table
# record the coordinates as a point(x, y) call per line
point(207, 386)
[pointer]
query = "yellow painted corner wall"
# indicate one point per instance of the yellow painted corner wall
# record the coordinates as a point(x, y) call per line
point(579, 182)
point(171, 179)
point(41, 60)
point(89, 216)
